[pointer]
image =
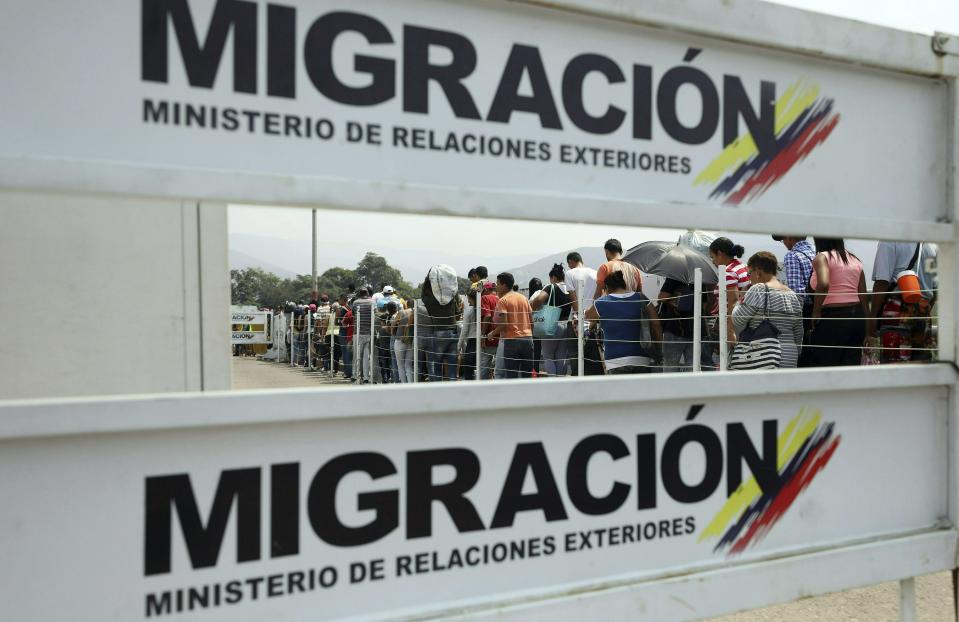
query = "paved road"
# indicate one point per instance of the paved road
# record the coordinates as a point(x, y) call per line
point(878, 603)
point(249, 373)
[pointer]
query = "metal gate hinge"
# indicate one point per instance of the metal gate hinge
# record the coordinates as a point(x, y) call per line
point(945, 44)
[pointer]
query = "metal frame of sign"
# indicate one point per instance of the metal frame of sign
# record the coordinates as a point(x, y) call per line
point(45, 434)
point(706, 590)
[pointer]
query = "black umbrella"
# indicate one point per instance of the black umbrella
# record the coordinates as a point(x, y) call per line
point(672, 261)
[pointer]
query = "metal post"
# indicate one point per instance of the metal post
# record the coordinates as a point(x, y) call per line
point(416, 345)
point(698, 320)
point(332, 346)
point(372, 339)
point(580, 329)
point(479, 329)
point(314, 251)
point(723, 341)
point(907, 600)
point(357, 354)
point(309, 340)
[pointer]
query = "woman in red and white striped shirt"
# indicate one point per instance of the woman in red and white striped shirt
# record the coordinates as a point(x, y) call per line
point(723, 252)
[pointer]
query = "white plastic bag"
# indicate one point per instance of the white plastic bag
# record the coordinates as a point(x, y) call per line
point(443, 283)
point(699, 241)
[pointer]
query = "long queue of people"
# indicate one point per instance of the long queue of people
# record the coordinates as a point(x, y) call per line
point(812, 308)
point(822, 313)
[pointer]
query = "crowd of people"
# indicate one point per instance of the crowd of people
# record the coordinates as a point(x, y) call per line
point(810, 308)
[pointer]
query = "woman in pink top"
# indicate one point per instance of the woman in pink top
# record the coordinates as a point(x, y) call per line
point(840, 307)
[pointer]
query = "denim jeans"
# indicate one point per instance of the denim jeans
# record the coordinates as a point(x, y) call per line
point(393, 362)
point(301, 343)
point(362, 363)
point(499, 367)
point(347, 351)
point(518, 357)
point(384, 358)
point(554, 355)
point(443, 350)
point(677, 348)
point(403, 355)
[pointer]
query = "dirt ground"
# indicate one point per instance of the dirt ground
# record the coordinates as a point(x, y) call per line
point(878, 603)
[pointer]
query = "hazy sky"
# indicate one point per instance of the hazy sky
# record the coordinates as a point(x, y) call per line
point(467, 241)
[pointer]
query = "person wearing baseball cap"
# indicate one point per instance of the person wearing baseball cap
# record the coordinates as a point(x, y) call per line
point(388, 296)
point(797, 264)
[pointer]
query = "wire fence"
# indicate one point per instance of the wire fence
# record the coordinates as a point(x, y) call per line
point(622, 332)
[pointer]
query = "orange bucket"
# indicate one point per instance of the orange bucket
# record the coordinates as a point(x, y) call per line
point(908, 283)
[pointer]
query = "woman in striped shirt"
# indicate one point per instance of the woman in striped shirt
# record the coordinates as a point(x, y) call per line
point(723, 252)
point(768, 297)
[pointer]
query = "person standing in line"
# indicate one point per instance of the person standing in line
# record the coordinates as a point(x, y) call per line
point(384, 341)
point(579, 277)
point(677, 317)
point(344, 318)
point(629, 322)
point(490, 345)
point(482, 274)
point(904, 318)
point(535, 285)
point(769, 299)
point(380, 293)
point(554, 348)
point(443, 320)
point(841, 307)
point(580, 281)
point(387, 367)
point(797, 264)
point(300, 335)
point(514, 326)
point(402, 332)
point(322, 313)
point(424, 336)
point(466, 346)
point(363, 337)
point(614, 262)
point(472, 276)
point(386, 296)
point(722, 252)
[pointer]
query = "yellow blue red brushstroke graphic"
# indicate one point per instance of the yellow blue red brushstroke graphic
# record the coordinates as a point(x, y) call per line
point(741, 173)
point(804, 449)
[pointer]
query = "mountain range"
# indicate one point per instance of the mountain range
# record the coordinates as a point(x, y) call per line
point(286, 259)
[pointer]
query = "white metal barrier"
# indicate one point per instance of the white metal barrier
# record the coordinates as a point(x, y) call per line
point(865, 144)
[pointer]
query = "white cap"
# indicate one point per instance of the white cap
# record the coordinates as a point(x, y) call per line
point(388, 290)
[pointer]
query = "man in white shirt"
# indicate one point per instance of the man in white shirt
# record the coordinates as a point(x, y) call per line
point(580, 281)
point(379, 295)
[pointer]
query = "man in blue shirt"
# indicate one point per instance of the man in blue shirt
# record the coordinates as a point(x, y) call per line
point(798, 265)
